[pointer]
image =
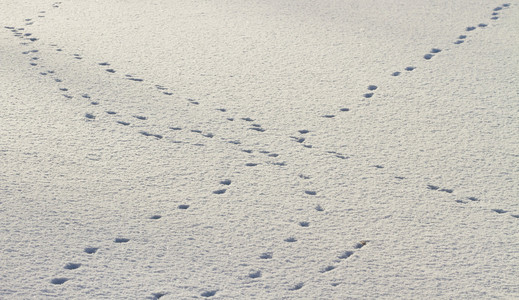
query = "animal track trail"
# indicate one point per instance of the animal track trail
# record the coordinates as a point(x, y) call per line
point(464, 200)
point(363, 95)
point(252, 127)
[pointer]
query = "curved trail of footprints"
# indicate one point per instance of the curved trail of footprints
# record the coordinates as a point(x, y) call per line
point(224, 185)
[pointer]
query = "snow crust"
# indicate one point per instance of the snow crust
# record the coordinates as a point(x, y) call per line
point(259, 149)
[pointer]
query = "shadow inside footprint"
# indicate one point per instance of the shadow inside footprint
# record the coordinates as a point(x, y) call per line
point(72, 266)
point(346, 254)
point(208, 293)
point(158, 295)
point(255, 274)
point(296, 287)
point(59, 280)
point(304, 224)
point(327, 269)
point(91, 250)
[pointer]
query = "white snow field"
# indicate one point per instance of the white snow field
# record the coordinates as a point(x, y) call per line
point(232, 149)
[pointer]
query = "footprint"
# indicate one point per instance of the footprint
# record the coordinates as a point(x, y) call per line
point(304, 131)
point(59, 280)
point(91, 250)
point(256, 274)
point(360, 244)
point(498, 8)
point(90, 116)
point(447, 190)
point(183, 206)
point(368, 95)
point(168, 93)
point(247, 119)
point(482, 25)
point(428, 56)
point(327, 269)
point(72, 266)
point(312, 193)
point(328, 116)
point(432, 187)
point(251, 164)
point(257, 129)
point(110, 70)
point(111, 112)
point(140, 117)
point(395, 74)
point(372, 87)
point(121, 240)
point(219, 192)
point(470, 28)
point(494, 18)
point(175, 128)
point(304, 224)
point(291, 240)
point(209, 293)
point(410, 68)
point(135, 79)
point(435, 50)
point(158, 295)
point(473, 198)
point(378, 166)
point(344, 109)
point(458, 42)
point(123, 123)
point(104, 64)
point(266, 255)
point(319, 208)
point(225, 182)
point(499, 211)
point(297, 287)
point(346, 254)
point(155, 217)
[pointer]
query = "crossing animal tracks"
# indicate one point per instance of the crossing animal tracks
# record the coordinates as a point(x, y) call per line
point(248, 124)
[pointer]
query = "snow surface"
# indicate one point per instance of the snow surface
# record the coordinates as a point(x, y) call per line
point(259, 149)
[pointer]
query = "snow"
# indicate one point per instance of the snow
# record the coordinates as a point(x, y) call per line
point(259, 149)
